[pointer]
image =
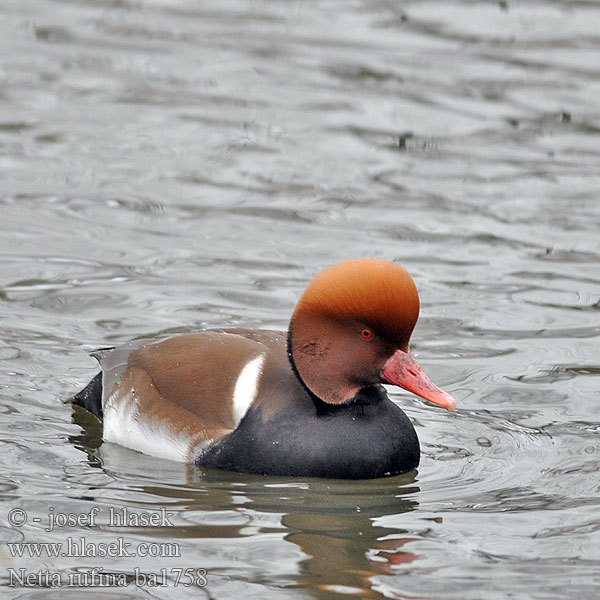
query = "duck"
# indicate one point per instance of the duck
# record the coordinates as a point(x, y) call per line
point(306, 402)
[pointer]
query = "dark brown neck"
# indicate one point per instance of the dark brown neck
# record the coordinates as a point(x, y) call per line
point(318, 360)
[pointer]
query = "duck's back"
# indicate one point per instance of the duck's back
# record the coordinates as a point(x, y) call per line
point(176, 397)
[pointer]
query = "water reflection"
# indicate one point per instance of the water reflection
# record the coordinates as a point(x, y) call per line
point(330, 523)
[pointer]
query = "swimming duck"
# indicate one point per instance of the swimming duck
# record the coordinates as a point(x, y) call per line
point(306, 402)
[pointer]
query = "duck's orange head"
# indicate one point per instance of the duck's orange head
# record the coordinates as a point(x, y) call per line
point(351, 330)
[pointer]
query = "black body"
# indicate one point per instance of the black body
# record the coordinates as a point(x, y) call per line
point(366, 438)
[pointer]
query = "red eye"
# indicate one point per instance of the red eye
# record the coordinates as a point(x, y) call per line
point(366, 334)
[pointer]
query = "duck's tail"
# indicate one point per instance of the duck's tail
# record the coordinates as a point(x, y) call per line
point(90, 397)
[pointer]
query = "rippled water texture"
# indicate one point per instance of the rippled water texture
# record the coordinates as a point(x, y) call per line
point(172, 165)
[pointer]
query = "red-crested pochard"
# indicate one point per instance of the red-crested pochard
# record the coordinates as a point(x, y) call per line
point(306, 402)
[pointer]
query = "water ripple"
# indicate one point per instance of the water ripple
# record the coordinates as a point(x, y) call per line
point(171, 166)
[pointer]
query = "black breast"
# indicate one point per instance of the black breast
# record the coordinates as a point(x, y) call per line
point(366, 438)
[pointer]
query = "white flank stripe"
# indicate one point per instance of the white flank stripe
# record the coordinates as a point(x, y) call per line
point(123, 424)
point(246, 387)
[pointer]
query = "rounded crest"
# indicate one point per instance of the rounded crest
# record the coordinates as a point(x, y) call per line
point(378, 293)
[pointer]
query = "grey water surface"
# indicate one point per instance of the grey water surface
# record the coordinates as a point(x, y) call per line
point(173, 165)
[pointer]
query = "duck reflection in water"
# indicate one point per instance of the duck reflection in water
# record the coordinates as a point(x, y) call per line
point(332, 524)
